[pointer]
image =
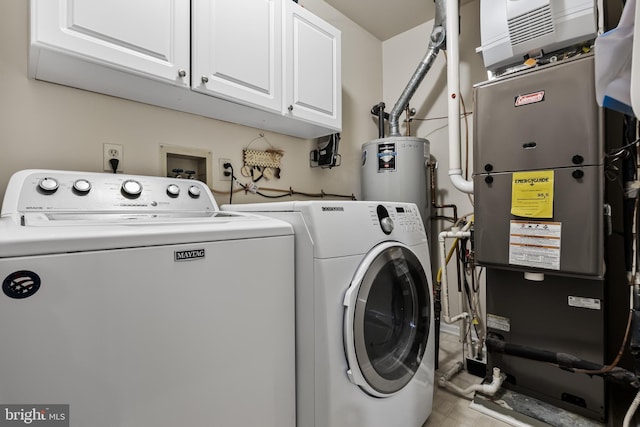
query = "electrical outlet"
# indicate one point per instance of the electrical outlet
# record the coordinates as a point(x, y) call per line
point(222, 169)
point(112, 151)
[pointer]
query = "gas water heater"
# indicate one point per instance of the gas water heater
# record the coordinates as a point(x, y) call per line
point(394, 169)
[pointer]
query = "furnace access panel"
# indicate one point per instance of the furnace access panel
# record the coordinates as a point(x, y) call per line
point(539, 171)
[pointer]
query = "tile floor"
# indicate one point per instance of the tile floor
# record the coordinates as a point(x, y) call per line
point(450, 409)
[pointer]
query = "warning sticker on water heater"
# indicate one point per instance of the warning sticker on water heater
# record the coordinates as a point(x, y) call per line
point(387, 157)
point(535, 244)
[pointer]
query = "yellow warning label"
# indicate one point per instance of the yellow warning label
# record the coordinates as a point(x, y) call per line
point(532, 194)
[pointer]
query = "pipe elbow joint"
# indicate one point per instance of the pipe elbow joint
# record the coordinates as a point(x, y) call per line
point(455, 175)
point(491, 388)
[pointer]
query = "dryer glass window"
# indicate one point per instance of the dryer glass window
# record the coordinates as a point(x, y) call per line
point(392, 317)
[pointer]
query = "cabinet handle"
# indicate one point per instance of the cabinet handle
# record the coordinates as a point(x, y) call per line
point(205, 79)
point(290, 108)
point(182, 73)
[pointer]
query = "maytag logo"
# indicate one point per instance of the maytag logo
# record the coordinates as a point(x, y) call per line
point(332, 209)
point(530, 98)
point(188, 255)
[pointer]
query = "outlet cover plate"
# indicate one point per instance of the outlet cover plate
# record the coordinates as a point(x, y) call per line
point(112, 151)
point(221, 169)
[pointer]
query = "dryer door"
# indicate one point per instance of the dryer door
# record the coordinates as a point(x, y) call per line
point(387, 319)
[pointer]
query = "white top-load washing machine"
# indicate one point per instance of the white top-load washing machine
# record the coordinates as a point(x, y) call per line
point(134, 301)
point(364, 312)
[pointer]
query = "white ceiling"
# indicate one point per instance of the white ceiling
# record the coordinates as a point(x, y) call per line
point(386, 18)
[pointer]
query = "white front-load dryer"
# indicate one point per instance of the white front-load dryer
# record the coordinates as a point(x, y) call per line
point(364, 312)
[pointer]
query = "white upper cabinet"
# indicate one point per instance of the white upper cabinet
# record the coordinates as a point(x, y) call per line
point(313, 68)
point(237, 50)
point(147, 37)
point(268, 64)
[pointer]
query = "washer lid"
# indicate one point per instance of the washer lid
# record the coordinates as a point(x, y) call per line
point(387, 319)
point(16, 240)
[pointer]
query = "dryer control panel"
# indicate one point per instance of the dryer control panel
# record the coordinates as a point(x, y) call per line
point(90, 196)
point(399, 217)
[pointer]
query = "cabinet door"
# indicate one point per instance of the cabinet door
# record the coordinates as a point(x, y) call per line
point(237, 51)
point(313, 68)
point(147, 37)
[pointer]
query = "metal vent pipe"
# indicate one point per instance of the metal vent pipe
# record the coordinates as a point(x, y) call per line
point(445, 32)
point(436, 42)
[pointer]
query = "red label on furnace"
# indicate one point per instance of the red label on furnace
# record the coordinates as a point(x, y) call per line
point(529, 98)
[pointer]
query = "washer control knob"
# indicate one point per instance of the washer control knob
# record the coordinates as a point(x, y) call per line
point(194, 191)
point(48, 185)
point(82, 186)
point(387, 225)
point(131, 188)
point(173, 190)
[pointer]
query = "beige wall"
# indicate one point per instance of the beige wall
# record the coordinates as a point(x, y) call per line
point(43, 125)
point(361, 89)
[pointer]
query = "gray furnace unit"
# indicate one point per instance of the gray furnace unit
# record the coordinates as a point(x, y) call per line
point(539, 190)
